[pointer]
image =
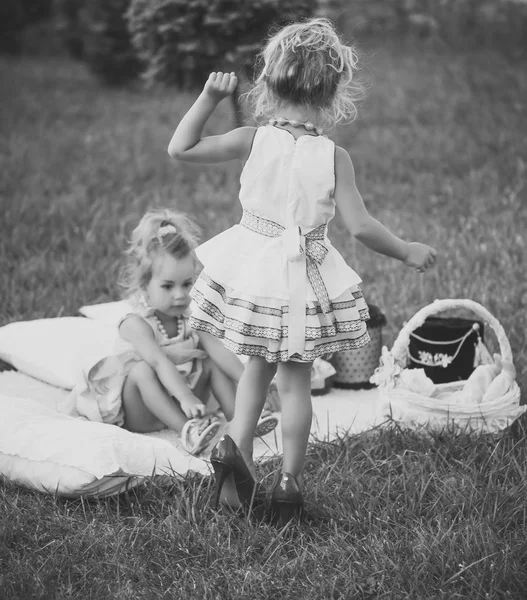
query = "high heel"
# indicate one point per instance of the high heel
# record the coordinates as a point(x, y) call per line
point(226, 460)
point(286, 500)
point(221, 472)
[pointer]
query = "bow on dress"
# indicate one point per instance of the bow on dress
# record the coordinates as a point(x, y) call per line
point(304, 252)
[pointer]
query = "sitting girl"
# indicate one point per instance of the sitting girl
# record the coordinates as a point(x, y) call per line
point(161, 373)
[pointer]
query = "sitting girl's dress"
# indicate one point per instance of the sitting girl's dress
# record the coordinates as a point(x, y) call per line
point(98, 396)
point(273, 285)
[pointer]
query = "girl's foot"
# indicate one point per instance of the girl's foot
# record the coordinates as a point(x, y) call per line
point(266, 423)
point(286, 500)
point(197, 433)
point(235, 484)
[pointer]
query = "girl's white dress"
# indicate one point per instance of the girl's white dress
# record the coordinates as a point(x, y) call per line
point(98, 397)
point(273, 285)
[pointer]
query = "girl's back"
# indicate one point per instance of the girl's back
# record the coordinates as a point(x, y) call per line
point(289, 180)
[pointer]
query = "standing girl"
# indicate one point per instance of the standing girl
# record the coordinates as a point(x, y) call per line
point(162, 372)
point(273, 287)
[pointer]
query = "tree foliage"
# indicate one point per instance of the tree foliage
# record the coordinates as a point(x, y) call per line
point(96, 31)
point(180, 41)
point(69, 25)
point(460, 23)
point(15, 15)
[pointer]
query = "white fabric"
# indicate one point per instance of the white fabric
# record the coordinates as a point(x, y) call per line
point(55, 350)
point(108, 312)
point(49, 451)
point(45, 450)
point(289, 182)
point(97, 394)
point(35, 432)
point(487, 402)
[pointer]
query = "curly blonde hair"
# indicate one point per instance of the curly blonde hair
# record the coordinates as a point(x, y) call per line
point(160, 230)
point(306, 64)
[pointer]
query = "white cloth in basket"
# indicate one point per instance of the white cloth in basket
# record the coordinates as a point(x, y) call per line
point(488, 401)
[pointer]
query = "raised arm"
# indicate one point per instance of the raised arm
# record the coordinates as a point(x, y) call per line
point(135, 330)
point(187, 143)
point(368, 230)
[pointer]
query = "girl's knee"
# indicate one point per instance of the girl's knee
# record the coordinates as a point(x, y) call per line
point(291, 374)
point(258, 362)
point(141, 372)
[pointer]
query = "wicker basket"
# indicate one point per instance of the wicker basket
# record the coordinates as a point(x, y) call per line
point(355, 367)
point(448, 403)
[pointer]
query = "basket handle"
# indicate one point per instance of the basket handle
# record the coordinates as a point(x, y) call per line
point(400, 346)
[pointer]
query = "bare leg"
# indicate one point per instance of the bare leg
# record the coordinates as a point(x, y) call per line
point(250, 399)
point(222, 386)
point(224, 390)
point(147, 405)
point(294, 385)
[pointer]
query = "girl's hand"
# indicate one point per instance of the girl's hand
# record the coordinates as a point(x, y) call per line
point(192, 406)
point(420, 256)
point(220, 85)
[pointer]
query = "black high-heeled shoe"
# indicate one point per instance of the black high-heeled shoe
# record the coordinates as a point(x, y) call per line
point(227, 461)
point(286, 500)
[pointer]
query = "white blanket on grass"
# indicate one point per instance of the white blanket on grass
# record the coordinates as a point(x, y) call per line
point(44, 447)
point(335, 414)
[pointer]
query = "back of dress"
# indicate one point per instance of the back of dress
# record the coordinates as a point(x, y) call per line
point(289, 181)
point(274, 285)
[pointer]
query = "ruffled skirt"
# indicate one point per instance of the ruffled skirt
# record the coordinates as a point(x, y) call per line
point(253, 325)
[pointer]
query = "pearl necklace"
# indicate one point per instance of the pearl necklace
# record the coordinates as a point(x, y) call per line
point(159, 324)
point(161, 327)
point(163, 331)
point(307, 125)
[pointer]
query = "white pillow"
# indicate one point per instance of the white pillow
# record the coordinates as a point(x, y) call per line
point(56, 350)
point(52, 452)
point(107, 312)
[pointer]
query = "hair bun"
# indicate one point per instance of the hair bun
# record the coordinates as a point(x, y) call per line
point(166, 228)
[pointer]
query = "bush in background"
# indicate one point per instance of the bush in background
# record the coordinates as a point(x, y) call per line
point(461, 23)
point(96, 32)
point(107, 47)
point(181, 41)
point(69, 26)
point(15, 16)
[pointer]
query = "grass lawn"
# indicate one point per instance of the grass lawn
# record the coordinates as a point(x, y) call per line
point(440, 155)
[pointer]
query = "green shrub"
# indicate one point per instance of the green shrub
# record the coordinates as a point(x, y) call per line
point(12, 19)
point(461, 23)
point(15, 15)
point(69, 26)
point(107, 47)
point(96, 31)
point(181, 41)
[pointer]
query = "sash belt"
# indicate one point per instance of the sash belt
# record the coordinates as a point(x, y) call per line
point(304, 251)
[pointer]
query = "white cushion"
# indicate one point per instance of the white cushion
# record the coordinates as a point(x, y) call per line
point(52, 452)
point(56, 350)
point(107, 312)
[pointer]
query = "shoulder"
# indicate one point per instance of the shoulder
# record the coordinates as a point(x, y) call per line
point(243, 136)
point(133, 325)
point(342, 155)
point(343, 161)
point(240, 141)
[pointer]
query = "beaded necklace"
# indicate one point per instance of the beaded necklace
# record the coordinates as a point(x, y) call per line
point(307, 125)
point(157, 321)
point(161, 327)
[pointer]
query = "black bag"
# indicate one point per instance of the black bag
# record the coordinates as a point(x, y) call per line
point(446, 348)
